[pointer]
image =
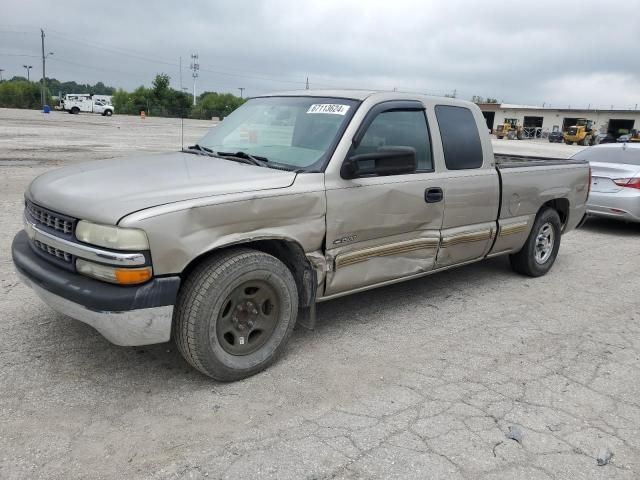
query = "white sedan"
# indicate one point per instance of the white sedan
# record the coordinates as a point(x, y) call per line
point(615, 181)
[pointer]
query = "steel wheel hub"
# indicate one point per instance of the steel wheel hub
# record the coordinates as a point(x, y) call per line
point(544, 243)
point(248, 317)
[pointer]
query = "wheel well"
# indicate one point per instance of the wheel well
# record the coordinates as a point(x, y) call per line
point(560, 205)
point(288, 252)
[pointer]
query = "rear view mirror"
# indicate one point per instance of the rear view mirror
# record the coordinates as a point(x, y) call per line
point(384, 161)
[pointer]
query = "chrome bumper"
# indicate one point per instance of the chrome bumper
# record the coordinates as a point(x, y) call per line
point(129, 328)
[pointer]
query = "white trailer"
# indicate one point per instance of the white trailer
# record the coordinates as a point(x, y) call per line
point(84, 102)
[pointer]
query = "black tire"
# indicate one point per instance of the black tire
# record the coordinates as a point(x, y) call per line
point(568, 142)
point(107, 113)
point(529, 261)
point(210, 294)
point(75, 110)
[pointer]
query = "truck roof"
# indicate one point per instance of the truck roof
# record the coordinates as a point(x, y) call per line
point(364, 94)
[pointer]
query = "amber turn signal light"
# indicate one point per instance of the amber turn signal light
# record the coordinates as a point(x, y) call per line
point(130, 276)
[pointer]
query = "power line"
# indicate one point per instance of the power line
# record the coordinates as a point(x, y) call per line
point(2, 54)
point(151, 59)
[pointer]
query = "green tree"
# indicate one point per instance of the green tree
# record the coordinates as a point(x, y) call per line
point(212, 104)
point(161, 88)
point(122, 102)
point(20, 93)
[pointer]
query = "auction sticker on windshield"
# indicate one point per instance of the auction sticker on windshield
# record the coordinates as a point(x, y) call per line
point(332, 108)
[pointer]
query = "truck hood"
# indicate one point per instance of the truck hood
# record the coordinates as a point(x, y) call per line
point(105, 191)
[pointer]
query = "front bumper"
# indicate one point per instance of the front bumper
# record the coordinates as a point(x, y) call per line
point(131, 315)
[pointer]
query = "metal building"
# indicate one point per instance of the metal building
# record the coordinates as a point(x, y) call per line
point(539, 120)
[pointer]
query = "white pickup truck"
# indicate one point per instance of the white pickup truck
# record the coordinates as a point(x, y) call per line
point(84, 102)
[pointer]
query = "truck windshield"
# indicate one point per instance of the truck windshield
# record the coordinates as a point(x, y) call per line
point(296, 132)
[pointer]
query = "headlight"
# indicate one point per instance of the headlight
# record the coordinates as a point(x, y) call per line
point(121, 276)
point(111, 237)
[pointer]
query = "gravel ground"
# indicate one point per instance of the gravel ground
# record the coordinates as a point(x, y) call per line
point(426, 379)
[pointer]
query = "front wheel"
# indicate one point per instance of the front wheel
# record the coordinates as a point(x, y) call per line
point(107, 113)
point(541, 248)
point(568, 142)
point(235, 313)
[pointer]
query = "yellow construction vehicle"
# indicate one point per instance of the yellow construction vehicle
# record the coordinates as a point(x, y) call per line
point(509, 129)
point(635, 136)
point(583, 133)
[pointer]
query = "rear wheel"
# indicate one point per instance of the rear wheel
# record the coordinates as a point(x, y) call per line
point(75, 110)
point(541, 248)
point(568, 142)
point(235, 313)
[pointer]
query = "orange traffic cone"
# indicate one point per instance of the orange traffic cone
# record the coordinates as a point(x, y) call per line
point(142, 114)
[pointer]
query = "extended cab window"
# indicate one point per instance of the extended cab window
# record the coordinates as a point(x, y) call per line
point(460, 138)
point(399, 128)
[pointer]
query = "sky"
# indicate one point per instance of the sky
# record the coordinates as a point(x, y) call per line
point(545, 52)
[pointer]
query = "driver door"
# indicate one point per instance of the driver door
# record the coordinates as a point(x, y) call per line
point(383, 228)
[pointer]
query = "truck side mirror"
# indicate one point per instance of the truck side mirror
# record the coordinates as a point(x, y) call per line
point(384, 161)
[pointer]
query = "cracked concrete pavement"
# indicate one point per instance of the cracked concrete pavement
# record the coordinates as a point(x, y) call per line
point(417, 380)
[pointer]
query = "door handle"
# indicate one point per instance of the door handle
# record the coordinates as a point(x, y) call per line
point(433, 195)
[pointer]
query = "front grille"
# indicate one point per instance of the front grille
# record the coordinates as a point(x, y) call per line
point(50, 219)
point(572, 130)
point(56, 252)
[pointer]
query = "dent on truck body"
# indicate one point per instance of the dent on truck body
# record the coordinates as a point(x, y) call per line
point(178, 234)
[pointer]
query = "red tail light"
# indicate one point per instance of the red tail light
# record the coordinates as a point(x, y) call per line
point(628, 182)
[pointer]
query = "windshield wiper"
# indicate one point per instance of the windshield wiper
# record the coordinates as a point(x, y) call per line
point(199, 149)
point(240, 157)
point(246, 157)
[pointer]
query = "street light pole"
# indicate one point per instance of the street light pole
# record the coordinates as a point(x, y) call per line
point(28, 68)
point(241, 90)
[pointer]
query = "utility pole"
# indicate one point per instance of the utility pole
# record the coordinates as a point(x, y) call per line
point(1, 70)
point(43, 71)
point(28, 67)
point(181, 72)
point(195, 66)
point(307, 87)
point(241, 90)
